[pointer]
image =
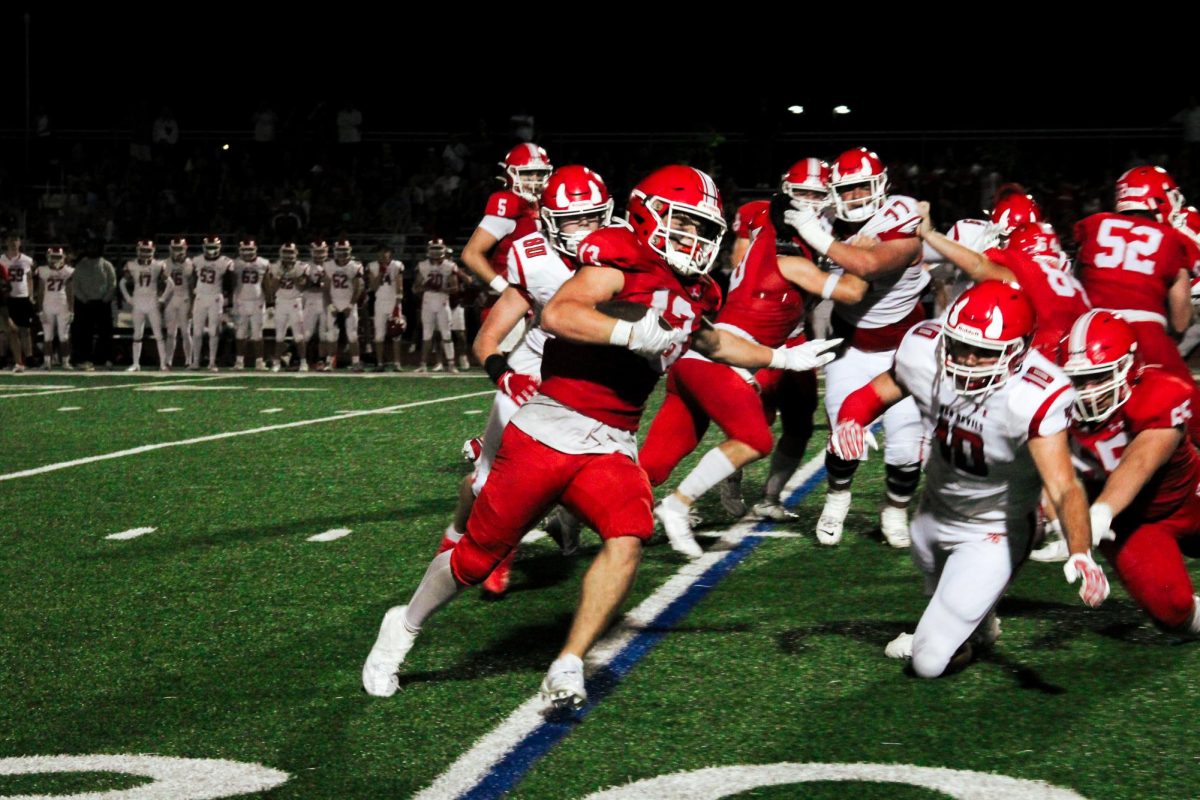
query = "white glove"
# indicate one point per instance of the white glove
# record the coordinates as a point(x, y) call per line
point(851, 441)
point(808, 225)
point(646, 337)
point(809, 355)
point(332, 309)
point(1094, 588)
point(1102, 517)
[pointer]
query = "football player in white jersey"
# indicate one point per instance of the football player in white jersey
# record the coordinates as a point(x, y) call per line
point(249, 272)
point(20, 300)
point(575, 203)
point(56, 305)
point(874, 238)
point(999, 412)
point(458, 315)
point(286, 280)
point(436, 280)
point(387, 282)
point(343, 290)
point(145, 274)
point(177, 299)
point(211, 269)
point(314, 303)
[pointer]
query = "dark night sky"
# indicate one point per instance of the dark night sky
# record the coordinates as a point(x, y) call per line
point(92, 69)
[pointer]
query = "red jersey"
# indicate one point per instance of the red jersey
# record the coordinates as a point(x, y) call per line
point(508, 217)
point(1129, 263)
point(743, 220)
point(1058, 299)
point(609, 383)
point(761, 301)
point(1159, 400)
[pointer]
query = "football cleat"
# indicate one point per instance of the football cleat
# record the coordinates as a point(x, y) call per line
point(392, 645)
point(133, 368)
point(437, 367)
point(563, 687)
point(893, 523)
point(900, 647)
point(679, 529)
point(563, 527)
point(421, 369)
point(730, 490)
point(833, 517)
point(987, 633)
point(1053, 551)
point(773, 509)
point(496, 584)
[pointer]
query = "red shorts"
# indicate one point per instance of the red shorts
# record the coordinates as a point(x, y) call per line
point(608, 491)
point(699, 391)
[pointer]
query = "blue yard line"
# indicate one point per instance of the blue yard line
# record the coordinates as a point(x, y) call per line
point(509, 771)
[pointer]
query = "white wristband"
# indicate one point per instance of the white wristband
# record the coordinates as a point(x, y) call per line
point(622, 332)
point(816, 236)
point(830, 286)
point(777, 358)
point(498, 284)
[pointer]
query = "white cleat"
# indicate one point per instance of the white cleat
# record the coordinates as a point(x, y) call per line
point(900, 647)
point(275, 367)
point(833, 517)
point(437, 368)
point(679, 530)
point(260, 365)
point(239, 367)
point(304, 366)
point(421, 369)
point(563, 686)
point(773, 509)
point(46, 364)
point(18, 368)
point(133, 368)
point(1053, 551)
point(730, 490)
point(384, 660)
point(213, 368)
point(164, 367)
point(893, 523)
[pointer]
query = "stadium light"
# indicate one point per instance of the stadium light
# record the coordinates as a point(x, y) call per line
point(224, 147)
point(841, 109)
point(796, 109)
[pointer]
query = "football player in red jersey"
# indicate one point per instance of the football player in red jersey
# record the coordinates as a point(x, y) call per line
point(1135, 263)
point(1141, 470)
point(874, 238)
point(511, 214)
point(806, 182)
point(768, 291)
point(575, 442)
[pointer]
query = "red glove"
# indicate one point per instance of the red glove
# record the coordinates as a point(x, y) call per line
point(520, 387)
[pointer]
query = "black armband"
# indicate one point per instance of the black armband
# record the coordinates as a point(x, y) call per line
point(495, 365)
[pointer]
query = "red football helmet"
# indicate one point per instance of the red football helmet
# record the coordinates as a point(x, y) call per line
point(288, 253)
point(1187, 222)
point(1099, 357)
point(145, 251)
point(852, 170)
point(676, 211)
point(575, 197)
point(341, 252)
point(1039, 240)
point(318, 252)
point(985, 336)
point(179, 250)
point(212, 247)
point(55, 258)
point(436, 250)
point(1150, 189)
point(1014, 208)
point(807, 183)
point(528, 168)
point(247, 250)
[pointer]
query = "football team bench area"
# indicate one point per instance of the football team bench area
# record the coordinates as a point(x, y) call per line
point(194, 565)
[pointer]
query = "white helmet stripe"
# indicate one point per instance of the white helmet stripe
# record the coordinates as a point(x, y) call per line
point(996, 325)
point(1079, 331)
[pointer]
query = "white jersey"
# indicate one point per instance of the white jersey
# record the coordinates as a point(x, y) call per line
point(248, 280)
point(979, 468)
point(288, 282)
point(315, 273)
point(889, 298)
point(434, 280)
point(19, 270)
point(210, 273)
point(391, 278)
point(341, 281)
point(54, 295)
point(179, 274)
point(145, 280)
point(537, 270)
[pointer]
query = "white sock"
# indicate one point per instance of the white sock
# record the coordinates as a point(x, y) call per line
point(452, 533)
point(783, 466)
point(437, 588)
point(241, 361)
point(137, 351)
point(1193, 624)
point(448, 352)
point(712, 469)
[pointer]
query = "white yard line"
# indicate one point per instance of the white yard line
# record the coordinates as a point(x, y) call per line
point(465, 773)
point(169, 410)
point(71, 408)
point(147, 448)
point(270, 411)
point(330, 535)
point(183, 387)
point(290, 389)
point(105, 388)
point(132, 533)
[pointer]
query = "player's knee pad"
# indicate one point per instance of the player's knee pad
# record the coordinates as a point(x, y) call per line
point(902, 481)
point(472, 561)
point(839, 471)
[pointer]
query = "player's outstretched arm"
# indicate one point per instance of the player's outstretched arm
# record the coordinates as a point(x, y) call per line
point(1144, 456)
point(976, 267)
point(842, 288)
point(726, 348)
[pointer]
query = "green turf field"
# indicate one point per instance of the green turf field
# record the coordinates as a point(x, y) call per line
point(225, 634)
